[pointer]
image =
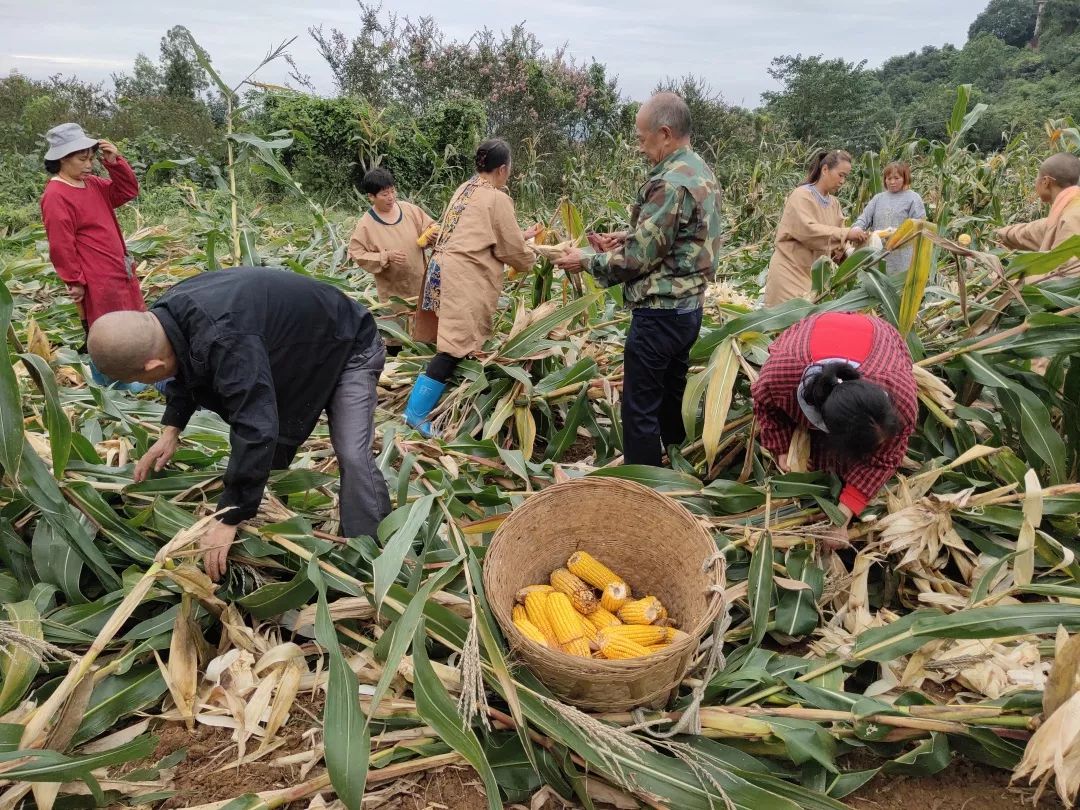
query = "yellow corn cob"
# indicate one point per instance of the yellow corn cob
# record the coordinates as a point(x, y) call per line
point(614, 596)
point(531, 631)
point(601, 618)
point(641, 611)
point(589, 629)
point(643, 634)
point(563, 619)
point(581, 595)
point(590, 569)
point(619, 648)
point(536, 608)
point(426, 236)
point(519, 613)
point(520, 595)
point(579, 648)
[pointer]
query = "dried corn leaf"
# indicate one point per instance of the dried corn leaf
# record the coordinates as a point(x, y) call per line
point(1064, 679)
point(798, 455)
point(1024, 564)
point(1054, 749)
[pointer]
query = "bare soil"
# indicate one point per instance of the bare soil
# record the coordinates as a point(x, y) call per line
point(963, 785)
point(202, 778)
point(449, 788)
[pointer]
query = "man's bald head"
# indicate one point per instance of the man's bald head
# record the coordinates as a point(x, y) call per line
point(1063, 169)
point(667, 110)
point(131, 347)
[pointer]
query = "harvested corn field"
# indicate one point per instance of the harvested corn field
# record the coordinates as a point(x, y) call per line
point(333, 671)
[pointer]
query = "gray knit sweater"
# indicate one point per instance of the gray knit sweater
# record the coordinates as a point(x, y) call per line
point(889, 210)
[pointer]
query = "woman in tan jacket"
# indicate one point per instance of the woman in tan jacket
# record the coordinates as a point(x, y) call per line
point(479, 235)
point(387, 243)
point(811, 226)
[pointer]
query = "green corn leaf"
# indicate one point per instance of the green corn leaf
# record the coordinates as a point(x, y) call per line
point(345, 732)
point(19, 665)
point(1035, 424)
point(56, 420)
point(118, 696)
point(530, 339)
point(910, 632)
point(403, 628)
point(658, 478)
point(438, 710)
point(796, 611)
point(723, 371)
point(761, 588)
point(918, 274)
point(388, 564)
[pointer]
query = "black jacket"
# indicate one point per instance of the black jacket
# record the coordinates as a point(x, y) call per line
point(263, 349)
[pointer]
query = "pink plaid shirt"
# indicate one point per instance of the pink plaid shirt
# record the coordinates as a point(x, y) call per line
point(882, 357)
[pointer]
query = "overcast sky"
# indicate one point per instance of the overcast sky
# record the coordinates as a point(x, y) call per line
point(728, 42)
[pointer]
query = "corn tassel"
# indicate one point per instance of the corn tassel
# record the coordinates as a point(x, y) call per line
point(536, 608)
point(590, 569)
point(616, 649)
point(581, 595)
point(641, 611)
point(531, 631)
point(615, 596)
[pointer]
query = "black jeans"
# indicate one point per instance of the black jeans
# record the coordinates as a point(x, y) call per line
point(655, 362)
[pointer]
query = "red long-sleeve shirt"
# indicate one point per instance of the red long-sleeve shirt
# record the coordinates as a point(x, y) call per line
point(883, 358)
point(86, 245)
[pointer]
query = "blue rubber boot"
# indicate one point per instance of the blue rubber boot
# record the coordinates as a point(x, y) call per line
point(422, 399)
point(106, 381)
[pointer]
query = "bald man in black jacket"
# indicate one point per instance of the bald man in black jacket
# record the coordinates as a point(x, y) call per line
point(268, 350)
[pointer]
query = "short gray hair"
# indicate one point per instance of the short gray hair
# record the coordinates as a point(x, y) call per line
point(668, 110)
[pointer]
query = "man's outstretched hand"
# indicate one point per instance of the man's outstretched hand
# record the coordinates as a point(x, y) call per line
point(215, 543)
point(158, 455)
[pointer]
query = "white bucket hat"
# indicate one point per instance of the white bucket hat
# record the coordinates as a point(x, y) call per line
point(65, 139)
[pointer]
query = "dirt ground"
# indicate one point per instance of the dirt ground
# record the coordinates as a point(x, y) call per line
point(963, 786)
point(205, 776)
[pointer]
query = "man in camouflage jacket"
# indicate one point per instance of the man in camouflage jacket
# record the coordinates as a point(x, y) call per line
point(664, 264)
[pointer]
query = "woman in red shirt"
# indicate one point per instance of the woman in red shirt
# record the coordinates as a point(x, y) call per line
point(848, 379)
point(86, 246)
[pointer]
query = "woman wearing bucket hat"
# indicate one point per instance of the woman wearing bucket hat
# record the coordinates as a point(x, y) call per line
point(86, 246)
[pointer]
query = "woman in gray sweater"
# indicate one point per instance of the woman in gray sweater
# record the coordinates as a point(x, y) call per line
point(890, 209)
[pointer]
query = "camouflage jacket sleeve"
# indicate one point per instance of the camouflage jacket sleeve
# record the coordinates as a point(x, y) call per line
point(663, 207)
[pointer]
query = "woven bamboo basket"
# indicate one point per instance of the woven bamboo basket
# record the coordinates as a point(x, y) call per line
point(650, 540)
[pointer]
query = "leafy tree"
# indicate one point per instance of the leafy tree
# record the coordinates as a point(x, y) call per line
point(181, 74)
point(722, 132)
point(1011, 21)
point(829, 101)
point(145, 81)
